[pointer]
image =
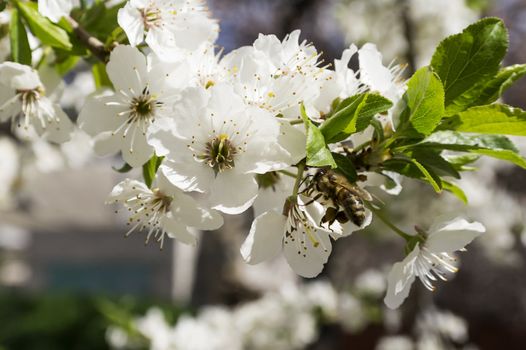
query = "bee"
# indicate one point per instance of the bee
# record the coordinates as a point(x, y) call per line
point(347, 198)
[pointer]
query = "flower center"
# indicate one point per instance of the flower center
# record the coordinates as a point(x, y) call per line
point(161, 201)
point(151, 17)
point(220, 153)
point(142, 108)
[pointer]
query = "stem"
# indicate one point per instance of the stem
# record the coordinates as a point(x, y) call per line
point(288, 173)
point(388, 223)
point(94, 45)
point(299, 177)
point(296, 122)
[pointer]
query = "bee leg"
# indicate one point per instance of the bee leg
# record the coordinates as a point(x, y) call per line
point(313, 199)
point(329, 217)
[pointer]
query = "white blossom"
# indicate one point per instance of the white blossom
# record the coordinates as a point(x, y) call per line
point(431, 259)
point(143, 94)
point(55, 9)
point(163, 210)
point(215, 144)
point(171, 28)
point(305, 241)
point(23, 100)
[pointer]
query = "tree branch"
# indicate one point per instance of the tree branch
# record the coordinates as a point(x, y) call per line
point(94, 45)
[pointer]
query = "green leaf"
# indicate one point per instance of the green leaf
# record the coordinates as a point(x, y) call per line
point(354, 114)
point(432, 159)
point(345, 166)
point(318, 154)
point(425, 101)
point(20, 50)
point(471, 57)
point(123, 169)
point(488, 91)
point(454, 189)
point(490, 119)
point(433, 179)
point(413, 169)
point(149, 169)
point(42, 28)
point(100, 76)
point(495, 146)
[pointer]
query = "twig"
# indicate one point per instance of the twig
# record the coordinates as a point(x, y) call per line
point(94, 45)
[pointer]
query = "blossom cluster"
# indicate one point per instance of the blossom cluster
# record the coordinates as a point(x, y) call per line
point(306, 143)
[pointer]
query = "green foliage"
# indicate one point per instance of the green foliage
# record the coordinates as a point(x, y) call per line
point(149, 169)
point(491, 119)
point(472, 57)
point(425, 104)
point(48, 33)
point(20, 50)
point(318, 154)
point(489, 91)
point(345, 166)
point(100, 76)
point(352, 115)
point(495, 146)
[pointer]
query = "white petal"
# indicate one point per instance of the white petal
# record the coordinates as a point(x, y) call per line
point(55, 9)
point(18, 76)
point(372, 71)
point(131, 21)
point(59, 132)
point(400, 279)
point(135, 150)
point(126, 189)
point(189, 211)
point(178, 231)
point(127, 69)
point(453, 235)
point(96, 116)
point(265, 239)
point(307, 260)
point(188, 174)
point(106, 143)
point(233, 193)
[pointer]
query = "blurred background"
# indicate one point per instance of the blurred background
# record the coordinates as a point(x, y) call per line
point(70, 280)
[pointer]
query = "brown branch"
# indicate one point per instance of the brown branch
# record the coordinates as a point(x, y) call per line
point(94, 45)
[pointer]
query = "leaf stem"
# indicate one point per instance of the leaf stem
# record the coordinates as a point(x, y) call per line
point(94, 45)
point(388, 223)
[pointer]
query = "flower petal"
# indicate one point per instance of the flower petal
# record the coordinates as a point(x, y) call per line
point(233, 193)
point(178, 231)
point(265, 239)
point(453, 235)
point(131, 21)
point(127, 69)
point(400, 279)
point(306, 259)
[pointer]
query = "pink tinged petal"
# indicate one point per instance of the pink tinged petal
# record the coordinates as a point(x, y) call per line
point(61, 130)
point(265, 239)
point(178, 231)
point(308, 259)
point(453, 235)
point(400, 280)
point(127, 69)
point(233, 193)
point(135, 150)
point(98, 115)
point(131, 21)
point(188, 175)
